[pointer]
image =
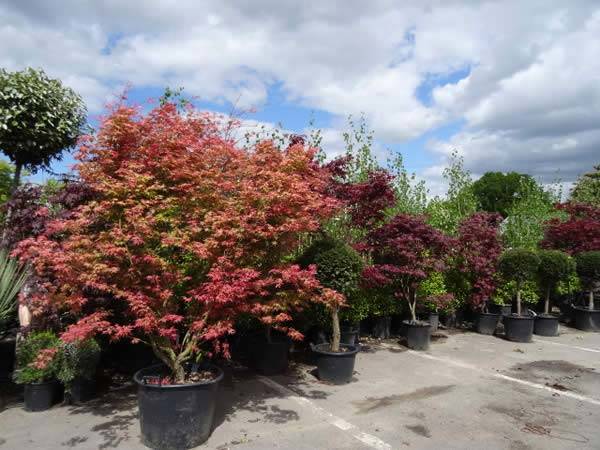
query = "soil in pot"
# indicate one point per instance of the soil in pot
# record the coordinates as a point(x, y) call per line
point(546, 325)
point(42, 396)
point(176, 416)
point(518, 328)
point(270, 358)
point(418, 334)
point(434, 321)
point(487, 323)
point(335, 367)
point(82, 390)
point(587, 319)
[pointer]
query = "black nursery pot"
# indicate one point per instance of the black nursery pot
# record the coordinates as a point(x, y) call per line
point(176, 416)
point(270, 358)
point(418, 334)
point(587, 319)
point(518, 328)
point(41, 396)
point(335, 367)
point(434, 321)
point(349, 335)
point(503, 310)
point(546, 325)
point(83, 390)
point(487, 323)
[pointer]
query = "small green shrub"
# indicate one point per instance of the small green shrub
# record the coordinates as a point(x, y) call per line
point(78, 360)
point(506, 292)
point(434, 293)
point(554, 267)
point(588, 269)
point(38, 358)
point(519, 266)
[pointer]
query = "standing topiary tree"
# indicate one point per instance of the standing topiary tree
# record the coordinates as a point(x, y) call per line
point(555, 266)
point(39, 119)
point(185, 232)
point(519, 265)
point(588, 269)
point(405, 252)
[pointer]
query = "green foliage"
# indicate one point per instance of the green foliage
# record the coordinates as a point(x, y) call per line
point(358, 142)
point(506, 292)
point(497, 192)
point(78, 359)
point(31, 366)
point(554, 267)
point(6, 180)
point(39, 118)
point(432, 289)
point(460, 202)
point(588, 268)
point(411, 195)
point(12, 279)
point(587, 188)
point(570, 285)
point(519, 265)
point(526, 216)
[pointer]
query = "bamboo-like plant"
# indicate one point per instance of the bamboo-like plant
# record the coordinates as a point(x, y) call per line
point(12, 279)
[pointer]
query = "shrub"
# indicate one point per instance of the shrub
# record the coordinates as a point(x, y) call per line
point(12, 279)
point(588, 269)
point(434, 294)
point(520, 266)
point(554, 267)
point(38, 358)
point(78, 359)
point(506, 292)
point(579, 232)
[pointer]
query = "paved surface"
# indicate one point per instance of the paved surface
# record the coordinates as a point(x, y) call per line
point(467, 392)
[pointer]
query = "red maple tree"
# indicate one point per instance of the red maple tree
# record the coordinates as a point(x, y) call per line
point(579, 232)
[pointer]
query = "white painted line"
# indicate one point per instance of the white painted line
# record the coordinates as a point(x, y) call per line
point(530, 384)
point(585, 349)
point(367, 439)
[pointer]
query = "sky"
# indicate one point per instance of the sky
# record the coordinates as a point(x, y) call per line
point(510, 85)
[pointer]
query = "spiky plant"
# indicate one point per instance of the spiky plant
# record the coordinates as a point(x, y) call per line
point(12, 279)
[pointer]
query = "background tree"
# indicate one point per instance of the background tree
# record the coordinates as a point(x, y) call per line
point(588, 269)
point(519, 265)
point(578, 232)
point(7, 173)
point(497, 191)
point(587, 188)
point(555, 266)
point(39, 118)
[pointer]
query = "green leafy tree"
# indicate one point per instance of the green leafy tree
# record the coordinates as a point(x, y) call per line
point(39, 119)
point(588, 269)
point(7, 172)
point(497, 191)
point(519, 266)
point(411, 194)
point(587, 188)
point(460, 202)
point(555, 266)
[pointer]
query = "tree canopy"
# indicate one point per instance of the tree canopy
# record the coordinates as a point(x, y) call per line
point(497, 191)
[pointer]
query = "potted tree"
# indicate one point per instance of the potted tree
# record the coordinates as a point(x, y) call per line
point(187, 231)
point(38, 360)
point(434, 297)
point(554, 267)
point(77, 370)
point(519, 265)
point(405, 251)
point(338, 269)
point(588, 268)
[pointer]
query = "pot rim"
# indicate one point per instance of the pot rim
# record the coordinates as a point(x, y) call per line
point(490, 314)
point(417, 324)
point(517, 317)
point(138, 381)
point(39, 383)
point(354, 350)
point(548, 316)
point(586, 309)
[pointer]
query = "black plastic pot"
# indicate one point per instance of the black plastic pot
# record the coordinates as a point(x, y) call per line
point(41, 396)
point(546, 325)
point(176, 416)
point(487, 323)
point(7, 358)
point(82, 390)
point(587, 319)
point(270, 358)
point(382, 327)
point(335, 367)
point(518, 328)
point(503, 310)
point(434, 321)
point(349, 336)
point(418, 335)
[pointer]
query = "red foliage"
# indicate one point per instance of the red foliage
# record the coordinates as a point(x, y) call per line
point(405, 250)
point(580, 232)
point(478, 249)
point(186, 231)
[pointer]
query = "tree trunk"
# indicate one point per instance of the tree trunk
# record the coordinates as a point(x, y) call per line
point(412, 304)
point(547, 303)
point(16, 178)
point(335, 338)
point(591, 298)
point(518, 299)
point(268, 334)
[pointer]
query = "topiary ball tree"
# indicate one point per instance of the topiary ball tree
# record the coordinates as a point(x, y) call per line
point(588, 269)
point(339, 267)
point(39, 118)
point(519, 265)
point(555, 266)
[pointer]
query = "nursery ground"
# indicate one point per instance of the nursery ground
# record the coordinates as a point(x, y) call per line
point(467, 392)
